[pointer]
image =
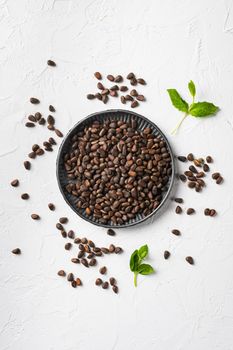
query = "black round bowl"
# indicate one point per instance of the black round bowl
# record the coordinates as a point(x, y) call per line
point(112, 114)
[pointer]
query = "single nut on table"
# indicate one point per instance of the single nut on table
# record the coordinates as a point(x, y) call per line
point(51, 63)
point(209, 159)
point(16, 251)
point(51, 108)
point(35, 147)
point(197, 162)
point(25, 196)
point(105, 285)
point(15, 183)
point(51, 206)
point(42, 121)
point(52, 141)
point(78, 281)
point(206, 168)
point(105, 99)
point(191, 184)
point(166, 254)
point(130, 76)
point(58, 133)
point(32, 118)
point(133, 81)
point(34, 100)
point(98, 281)
point(98, 75)
point(182, 159)
point(92, 262)
point(123, 100)
point(114, 87)
point(68, 246)
point(141, 98)
point(110, 77)
point(134, 93)
point(50, 119)
point(59, 226)
point(111, 232)
point(70, 234)
point(193, 169)
point(103, 270)
point(113, 93)
point(190, 211)
point(201, 182)
point(179, 200)
point(38, 116)
point(63, 233)
point(63, 220)
point(74, 284)
point(178, 210)
point(111, 248)
point(70, 277)
point(128, 98)
point(215, 176)
point(200, 174)
point(105, 250)
point(32, 155)
point(105, 92)
point(123, 88)
point(35, 216)
point(61, 273)
point(84, 262)
point(30, 125)
point(176, 232)
point(118, 79)
point(115, 289)
point(219, 180)
point(27, 165)
point(212, 212)
point(182, 178)
point(98, 96)
point(91, 96)
point(190, 157)
point(81, 254)
point(134, 104)
point(118, 250)
point(141, 81)
point(190, 260)
point(100, 86)
point(112, 281)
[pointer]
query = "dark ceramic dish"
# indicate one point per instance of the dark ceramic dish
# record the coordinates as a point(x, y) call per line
point(114, 114)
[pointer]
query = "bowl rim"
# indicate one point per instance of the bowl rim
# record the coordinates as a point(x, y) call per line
point(137, 115)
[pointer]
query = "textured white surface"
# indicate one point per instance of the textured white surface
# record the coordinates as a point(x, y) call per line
point(166, 42)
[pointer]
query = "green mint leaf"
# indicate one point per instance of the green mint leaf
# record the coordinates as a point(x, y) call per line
point(134, 261)
point(177, 101)
point(143, 251)
point(203, 109)
point(192, 88)
point(145, 269)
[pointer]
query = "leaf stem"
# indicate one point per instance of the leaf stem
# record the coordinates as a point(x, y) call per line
point(135, 278)
point(179, 124)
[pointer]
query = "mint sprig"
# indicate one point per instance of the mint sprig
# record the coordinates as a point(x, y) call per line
point(195, 109)
point(136, 265)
